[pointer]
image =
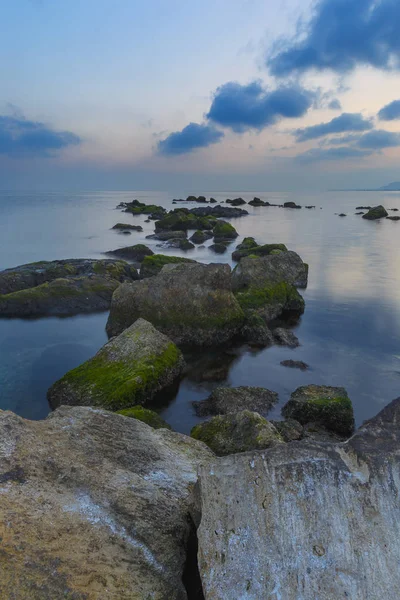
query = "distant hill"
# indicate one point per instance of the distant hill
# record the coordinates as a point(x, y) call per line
point(391, 187)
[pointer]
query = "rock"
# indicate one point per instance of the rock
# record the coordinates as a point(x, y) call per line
point(285, 266)
point(328, 406)
point(290, 430)
point(191, 199)
point(257, 250)
point(315, 431)
point(191, 303)
point(295, 364)
point(236, 202)
point(393, 218)
point(311, 206)
point(152, 265)
point(127, 226)
point(63, 287)
point(212, 201)
point(201, 199)
point(224, 231)
point(128, 370)
point(140, 208)
point(135, 253)
point(378, 212)
point(304, 520)
point(359, 213)
point(181, 244)
point(226, 400)
point(199, 237)
point(248, 242)
point(164, 236)
point(258, 202)
point(238, 432)
point(285, 337)
point(394, 209)
point(218, 248)
point(125, 232)
point(255, 331)
point(291, 205)
point(95, 506)
point(363, 207)
point(224, 212)
point(342, 215)
point(145, 415)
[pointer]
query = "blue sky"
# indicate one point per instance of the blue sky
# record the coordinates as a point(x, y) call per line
point(239, 94)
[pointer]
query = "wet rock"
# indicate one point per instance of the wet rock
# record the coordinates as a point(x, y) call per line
point(238, 432)
point(363, 207)
point(328, 406)
point(311, 206)
point(226, 400)
point(319, 433)
point(140, 208)
point(135, 253)
point(145, 415)
point(182, 244)
point(394, 209)
point(291, 205)
point(164, 236)
point(285, 337)
point(201, 199)
point(290, 429)
point(378, 212)
point(199, 237)
point(224, 212)
point(258, 202)
point(212, 201)
point(359, 213)
point(393, 218)
point(224, 231)
point(152, 265)
point(191, 303)
point(236, 202)
point(128, 227)
point(304, 520)
point(126, 371)
point(245, 249)
point(295, 364)
point(96, 506)
point(219, 248)
point(255, 331)
point(342, 215)
point(182, 220)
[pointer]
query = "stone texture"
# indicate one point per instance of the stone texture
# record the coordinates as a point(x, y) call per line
point(227, 400)
point(94, 506)
point(305, 520)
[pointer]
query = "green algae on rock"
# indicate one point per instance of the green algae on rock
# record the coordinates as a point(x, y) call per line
point(377, 212)
point(152, 265)
point(150, 417)
point(328, 406)
point(126, 371)
point(224, 231)
point(135, 253)
point(238, 432)
point(246, 249)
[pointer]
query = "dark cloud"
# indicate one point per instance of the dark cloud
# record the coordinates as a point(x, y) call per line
point(346, 122)
point(379, 139)
point(340, 153)
point(21, 137)
point(390, 112)
point(193, 136)
point(335, 104)
point(340, 35)
point(243, 107)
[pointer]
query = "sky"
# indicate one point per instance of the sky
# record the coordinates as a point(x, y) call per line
point(199, 96)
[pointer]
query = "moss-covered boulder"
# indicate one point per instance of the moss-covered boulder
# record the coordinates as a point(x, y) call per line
point(255, 330)
point(328, 406)
point(377, 212)
point(224, 231)
point(152, 265)
point(135, 253)
point(181, 219)
point(227, 400)
point(192, 303)
point(127, 226)
point(199, 237)
point(239, 432)
point(218, 212)
point(290, 429)
point(256, 250)
point(150, 417)
point(140, 208)
point(128, 370)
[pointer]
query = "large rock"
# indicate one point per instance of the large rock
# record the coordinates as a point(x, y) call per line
point(191, 303)
point(224, 231)
point(305, 520)
point(226, 400)
point(128, 370)
point(135, 253)
point(377, 212)
point(152, 265)
point(61, 287)
point(237, 432)
point(94, 506)
point(327, 406)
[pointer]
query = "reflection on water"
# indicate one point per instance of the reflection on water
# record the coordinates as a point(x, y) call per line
point(349, 333)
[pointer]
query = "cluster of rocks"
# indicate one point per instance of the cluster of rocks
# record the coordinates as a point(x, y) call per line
point(198, 199)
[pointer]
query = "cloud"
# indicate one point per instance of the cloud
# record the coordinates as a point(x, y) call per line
point(243, 107)
point(379, 139)
point(191, 137)
point(335, 104)
point(21, 137)
point(346, 122)
point(390, 112)
point(340, 153)
point(340, 35)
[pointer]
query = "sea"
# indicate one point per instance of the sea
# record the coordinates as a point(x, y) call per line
point(349, 333)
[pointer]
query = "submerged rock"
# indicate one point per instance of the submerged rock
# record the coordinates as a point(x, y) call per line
point(152, 265)
point(327, 406)
point(237, 432)
point(96, 506)
point(227, 400)
point(182, 244)
point(191, 303)
point(304, 520)
point(128, 370)
point(393, 218)
point(62, 287)
point(295, 364)
point(378, 212)
point(135, 253)
point(285, 337)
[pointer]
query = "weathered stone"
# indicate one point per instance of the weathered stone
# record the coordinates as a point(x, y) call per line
point(290, 429)
point(285, 337)
point(377, 212)
point(94, 506)
point(305, 520)
point(181, 219)
point(128, 370)
point(327, 406)
point(152, 265)
point(135, 253)
point(295, 364)
point(255, 330)
point(191, 303)
point(226, 400)
point(237, 432)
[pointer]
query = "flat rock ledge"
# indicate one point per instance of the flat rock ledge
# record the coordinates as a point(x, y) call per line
point(305, 520)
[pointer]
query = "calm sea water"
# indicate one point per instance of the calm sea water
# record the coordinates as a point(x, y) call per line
point(349, 334)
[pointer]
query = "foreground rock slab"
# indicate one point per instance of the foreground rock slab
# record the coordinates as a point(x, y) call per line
point(305, 520)
point(94, 506)
point(128, 370)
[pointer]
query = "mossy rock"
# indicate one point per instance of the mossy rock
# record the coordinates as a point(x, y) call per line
point(182, 220)
point(128, 370)
point(273, 297)
point(199, 237)
point(136, 253)
point(224, 231)
point(257, 250)
point(328, 406)
point(140, 208)
point(144, 414)
point(127, 226)
point(218, 248)
point(248, 242)
point(377, 212)
point(239, 432)
point(152, 265)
